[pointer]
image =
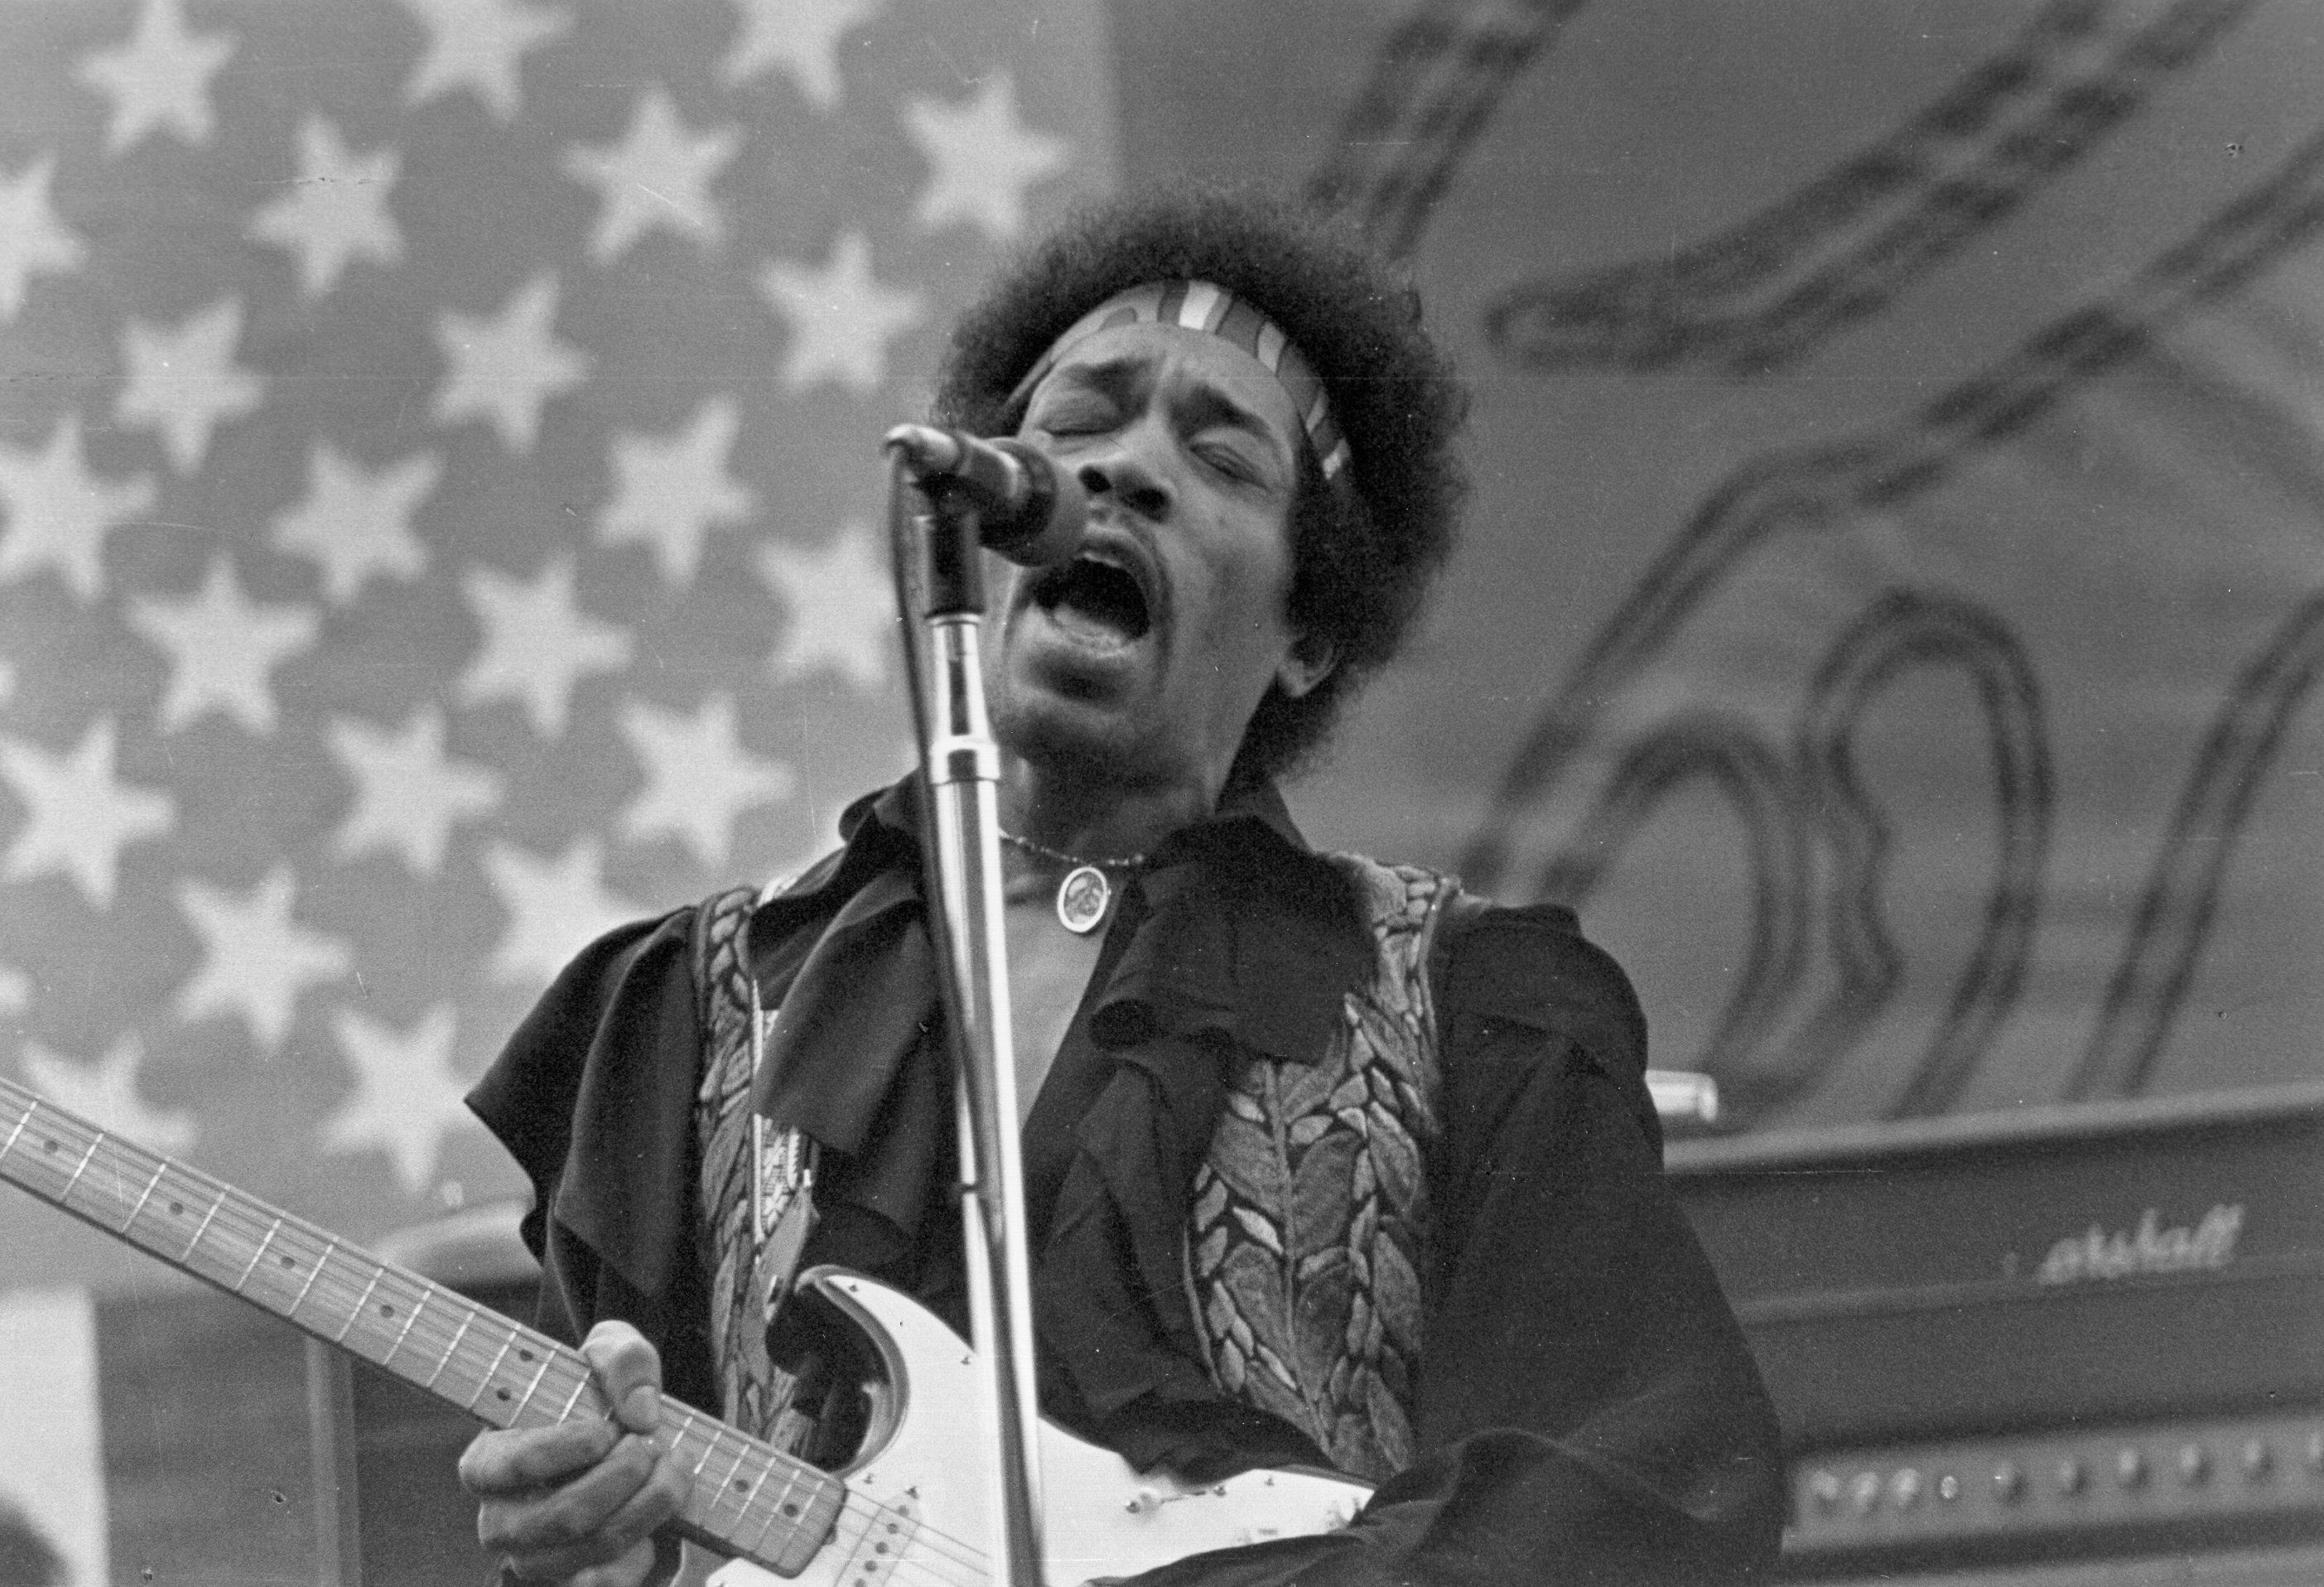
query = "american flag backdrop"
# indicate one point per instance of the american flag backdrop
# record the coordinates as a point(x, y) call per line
point(439, 486)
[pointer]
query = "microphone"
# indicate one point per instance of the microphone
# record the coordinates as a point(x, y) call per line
point(1028, 508)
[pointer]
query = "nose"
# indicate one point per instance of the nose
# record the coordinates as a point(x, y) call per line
point(1121, 474)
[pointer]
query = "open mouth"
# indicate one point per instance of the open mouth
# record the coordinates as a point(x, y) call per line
point(1093, 595)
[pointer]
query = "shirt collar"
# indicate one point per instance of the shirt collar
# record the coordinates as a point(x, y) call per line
point(1246, 809)
point(1239, 929)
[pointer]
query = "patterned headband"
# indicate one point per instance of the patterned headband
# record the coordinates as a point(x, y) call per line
point(1201, 305)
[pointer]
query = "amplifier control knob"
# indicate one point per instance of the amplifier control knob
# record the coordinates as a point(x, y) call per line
point(1949, 1488)
point(1904, 1487)
point(2130, 1469)
point(2316, 1452)
point(2008, 1482)
point(2259, 1459)
point(1864, 1492)
point(2071, 1475)
point(1823, 1491)
point(2194, 1464)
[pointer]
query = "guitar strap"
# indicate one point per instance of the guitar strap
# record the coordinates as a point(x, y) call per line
point(757, 1184)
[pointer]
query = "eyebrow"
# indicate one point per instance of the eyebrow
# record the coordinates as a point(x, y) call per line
point(1206, 405)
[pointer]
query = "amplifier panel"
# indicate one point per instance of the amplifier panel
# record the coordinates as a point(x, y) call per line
point(2069, 1332)
point(2210, 1475)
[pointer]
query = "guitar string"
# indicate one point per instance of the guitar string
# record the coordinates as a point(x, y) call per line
point(718, 1438)
point(235, 1213)
point(234, 1216)
point(456, 1318)
point(232, 1221)
point(974, 1562)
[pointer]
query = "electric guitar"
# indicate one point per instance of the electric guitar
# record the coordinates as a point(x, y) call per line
point(913, 1506)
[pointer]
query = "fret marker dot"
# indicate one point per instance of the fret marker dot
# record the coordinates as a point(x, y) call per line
point(49, 1145)
point(177, 1209)
point(386, 1310)
point(790, 1509)
point(741, 1485)
point(501, 1393)
point(524, 1355)
point(286, 1261)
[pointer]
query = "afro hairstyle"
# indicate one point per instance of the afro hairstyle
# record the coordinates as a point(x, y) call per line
point(1365, 546)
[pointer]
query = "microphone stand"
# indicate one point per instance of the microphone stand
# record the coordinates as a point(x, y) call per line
point(960, 847)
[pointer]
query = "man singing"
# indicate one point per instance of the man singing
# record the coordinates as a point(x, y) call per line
point(1326, 1163)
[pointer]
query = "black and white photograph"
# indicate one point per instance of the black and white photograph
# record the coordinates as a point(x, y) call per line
point(1161, 793)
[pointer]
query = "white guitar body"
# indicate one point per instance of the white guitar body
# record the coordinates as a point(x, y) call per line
point(919, 1501)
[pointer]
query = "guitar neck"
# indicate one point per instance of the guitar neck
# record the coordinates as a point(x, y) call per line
point(747, 1498)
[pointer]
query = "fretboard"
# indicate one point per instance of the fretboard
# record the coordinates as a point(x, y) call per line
point(747, 1498)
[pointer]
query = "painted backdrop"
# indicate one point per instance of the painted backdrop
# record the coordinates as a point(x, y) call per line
point(1894, 602)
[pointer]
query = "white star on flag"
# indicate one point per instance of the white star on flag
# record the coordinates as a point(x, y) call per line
point(983, 158)
point(105, 1094)
point(58, 513)
point(841, 318)
point(409, 794)
point(673, 492)
point(842, 606)
point(79, 816)
point(336, 210)
point(538, 643)
point(658, 175)
point(407, 1097)
point(33, 240)
point(802, 36)
point(160, 77)
point(185, 381)
point(223, 650)
point(479, 45)
point(556, 908)
point(505, 367)
point(256, 959)
point(699, 776)
point(357, 524)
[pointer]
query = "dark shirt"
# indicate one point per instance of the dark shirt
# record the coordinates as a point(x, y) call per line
point(1586, 1409)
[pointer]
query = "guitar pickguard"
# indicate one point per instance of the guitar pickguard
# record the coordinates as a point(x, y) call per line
point(919, 1498)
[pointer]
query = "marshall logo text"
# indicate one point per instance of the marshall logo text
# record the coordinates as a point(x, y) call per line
point(2148, 1249)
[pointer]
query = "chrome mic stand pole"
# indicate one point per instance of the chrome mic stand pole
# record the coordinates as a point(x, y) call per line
point(961, 846)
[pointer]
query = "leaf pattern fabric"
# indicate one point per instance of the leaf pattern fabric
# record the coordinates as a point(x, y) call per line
point(1310, 1212)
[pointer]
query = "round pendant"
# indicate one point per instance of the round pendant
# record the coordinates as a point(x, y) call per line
point(1082, 898)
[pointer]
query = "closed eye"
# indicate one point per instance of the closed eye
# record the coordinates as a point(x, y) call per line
point(1226, 461)
point(1077, 416)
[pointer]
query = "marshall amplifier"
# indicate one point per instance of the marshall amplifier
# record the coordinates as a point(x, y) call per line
point(2072, 1333)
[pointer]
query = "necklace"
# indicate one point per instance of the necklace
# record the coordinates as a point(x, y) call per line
point(1086, 891)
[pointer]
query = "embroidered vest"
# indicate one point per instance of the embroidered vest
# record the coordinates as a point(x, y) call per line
point(1309, 1216)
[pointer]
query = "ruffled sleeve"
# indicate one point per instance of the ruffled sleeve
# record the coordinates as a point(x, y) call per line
point(1587, 1410)
point(594, 1097)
